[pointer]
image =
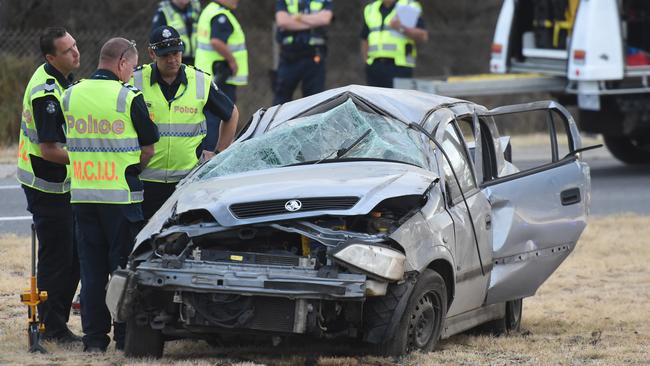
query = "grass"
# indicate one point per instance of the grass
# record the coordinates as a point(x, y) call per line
point(593, 311)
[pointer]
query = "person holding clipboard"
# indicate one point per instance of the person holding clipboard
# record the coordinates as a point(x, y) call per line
point(390, 32)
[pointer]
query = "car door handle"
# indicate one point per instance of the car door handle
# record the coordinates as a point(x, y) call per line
point(570, 196)
point(488, 222)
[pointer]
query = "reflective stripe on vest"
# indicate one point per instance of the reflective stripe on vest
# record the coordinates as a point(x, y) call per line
point(105, 195)
point(41, 84)
point(385, 42)
point(206, 56)
point(183, 129)
point(103, 145)
point(160, 175)
point(181, 124)
point(29, 179)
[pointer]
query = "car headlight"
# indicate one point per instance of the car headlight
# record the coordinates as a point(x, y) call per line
point(376, 260)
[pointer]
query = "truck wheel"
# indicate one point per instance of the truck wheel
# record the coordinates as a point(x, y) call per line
point(511, 322)
point(628, 150)
point(142, 340)
point(421, 323)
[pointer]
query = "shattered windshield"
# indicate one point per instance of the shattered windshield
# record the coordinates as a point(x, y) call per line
point(318, 139)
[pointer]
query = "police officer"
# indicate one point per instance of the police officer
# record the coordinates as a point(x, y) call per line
point(387, 45)
point(42, 171)
point(183, 15)
point(110, 140)
point(177, 96)
point(221, 47)
point(302, 37)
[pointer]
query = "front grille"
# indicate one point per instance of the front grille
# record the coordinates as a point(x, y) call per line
point(277, 207)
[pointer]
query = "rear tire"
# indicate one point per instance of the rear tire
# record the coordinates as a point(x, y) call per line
point(142, 340)
point(511, 322)
point(628, 150)
point(421, 323)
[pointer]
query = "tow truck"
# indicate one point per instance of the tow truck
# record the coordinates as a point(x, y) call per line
point(592, 53)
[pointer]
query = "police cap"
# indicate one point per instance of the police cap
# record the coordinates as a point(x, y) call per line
point(164, 40)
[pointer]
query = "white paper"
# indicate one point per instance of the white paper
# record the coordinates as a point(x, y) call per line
point(408, 15)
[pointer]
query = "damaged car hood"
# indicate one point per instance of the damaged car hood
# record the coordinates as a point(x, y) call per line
point(349, 188)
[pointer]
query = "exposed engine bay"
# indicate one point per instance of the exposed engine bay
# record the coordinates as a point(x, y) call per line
point(289, 277)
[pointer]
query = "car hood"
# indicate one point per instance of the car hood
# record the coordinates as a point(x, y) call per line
point(371, 182)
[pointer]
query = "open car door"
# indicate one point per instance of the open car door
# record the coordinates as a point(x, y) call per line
point(539, 190)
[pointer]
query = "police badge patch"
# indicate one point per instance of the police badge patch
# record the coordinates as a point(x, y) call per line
point(50, 107)
point(166, 33)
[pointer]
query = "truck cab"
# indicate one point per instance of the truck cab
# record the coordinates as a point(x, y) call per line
point(602, 50)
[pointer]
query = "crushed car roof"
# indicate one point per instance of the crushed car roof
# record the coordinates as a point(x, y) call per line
point(406, 105)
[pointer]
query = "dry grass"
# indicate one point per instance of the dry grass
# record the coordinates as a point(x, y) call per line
point(595, 310)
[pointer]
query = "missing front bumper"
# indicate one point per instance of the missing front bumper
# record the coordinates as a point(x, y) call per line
point(248, 279)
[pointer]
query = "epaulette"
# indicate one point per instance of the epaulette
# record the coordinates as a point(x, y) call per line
point(138, 68)
point(197, 69)
point(130, 87)
point(50, 85)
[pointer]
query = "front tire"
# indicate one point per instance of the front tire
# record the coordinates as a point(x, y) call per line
point(421, 323)
point(142, 341)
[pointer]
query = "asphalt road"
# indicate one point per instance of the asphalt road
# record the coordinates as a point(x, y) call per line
point(616, 188)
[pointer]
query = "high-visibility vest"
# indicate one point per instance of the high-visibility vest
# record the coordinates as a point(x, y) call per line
point(384, 41)
point(181, 123)
point(206, 56)
point(41, 84)
point(102, 141)
point(316, 37)
point(175, 20)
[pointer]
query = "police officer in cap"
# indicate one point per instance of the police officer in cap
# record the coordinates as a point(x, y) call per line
point(183, 15)
point(178, 96)
point(43, 173)
point(110, 139)
point(301, 34)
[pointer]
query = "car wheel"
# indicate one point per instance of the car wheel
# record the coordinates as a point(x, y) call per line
point(142, 341)
point(628, 150)
point(421, 323)
point(511, 322)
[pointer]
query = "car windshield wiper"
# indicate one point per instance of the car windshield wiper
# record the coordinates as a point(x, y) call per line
point(344, 150)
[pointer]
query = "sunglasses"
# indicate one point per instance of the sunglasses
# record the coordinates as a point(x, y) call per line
point(131, 45)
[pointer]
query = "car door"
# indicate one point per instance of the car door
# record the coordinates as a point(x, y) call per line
point(539, 198)
point(469, 210)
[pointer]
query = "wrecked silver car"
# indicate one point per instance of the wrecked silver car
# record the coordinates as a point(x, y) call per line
point(389, 216)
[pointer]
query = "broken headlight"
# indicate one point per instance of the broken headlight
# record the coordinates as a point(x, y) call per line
point(376, 260)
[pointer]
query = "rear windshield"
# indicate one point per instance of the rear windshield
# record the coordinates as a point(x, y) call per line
point(319, 139)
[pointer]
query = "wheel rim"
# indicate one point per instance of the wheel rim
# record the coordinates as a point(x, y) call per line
point(423, 321)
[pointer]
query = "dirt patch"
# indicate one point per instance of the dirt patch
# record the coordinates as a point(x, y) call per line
point(593, 311)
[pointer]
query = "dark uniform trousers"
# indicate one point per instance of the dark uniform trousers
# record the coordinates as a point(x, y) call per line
point(383, 70)
point(58, 263)
point(292, 72)
point(155, 194)
point(105, 234)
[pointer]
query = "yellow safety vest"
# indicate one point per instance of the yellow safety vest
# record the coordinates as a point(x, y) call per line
point(102, 141)
point(41, 84)
point(181, 123)
point(384, 41)
point(316, 38)
point(175, 20)
point(206, 56)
